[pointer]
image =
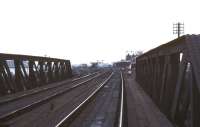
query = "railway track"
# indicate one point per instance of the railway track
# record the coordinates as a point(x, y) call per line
point(109, 95)
point(14, 108)
point(17, 96)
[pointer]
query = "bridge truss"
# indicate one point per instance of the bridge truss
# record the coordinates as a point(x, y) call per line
point(170, 74)
point(23, 72)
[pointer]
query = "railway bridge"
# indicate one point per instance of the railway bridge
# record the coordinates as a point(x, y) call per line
point(163, 90)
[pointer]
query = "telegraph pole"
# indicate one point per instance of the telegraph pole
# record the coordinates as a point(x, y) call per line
point(178, 28)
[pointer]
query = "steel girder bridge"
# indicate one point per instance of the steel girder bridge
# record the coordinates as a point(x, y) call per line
point(170, 74)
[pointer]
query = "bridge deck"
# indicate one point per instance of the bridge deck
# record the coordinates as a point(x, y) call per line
point(141, 111)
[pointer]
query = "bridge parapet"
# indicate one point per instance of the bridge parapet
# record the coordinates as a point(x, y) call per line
point(170, 74)
point(23, 72)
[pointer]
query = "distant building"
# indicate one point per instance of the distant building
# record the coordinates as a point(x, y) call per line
point(128, 57)
point(122, 64)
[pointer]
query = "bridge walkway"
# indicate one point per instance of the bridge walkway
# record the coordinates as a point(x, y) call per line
point(141, 111)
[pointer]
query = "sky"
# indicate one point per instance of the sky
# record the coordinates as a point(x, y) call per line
point(85, 31)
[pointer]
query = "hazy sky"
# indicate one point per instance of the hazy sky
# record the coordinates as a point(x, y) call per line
point(90, 30)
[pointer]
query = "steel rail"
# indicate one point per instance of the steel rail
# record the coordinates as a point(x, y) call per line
point(31, 106)
point(84, 76)
point(120, 123)
point(44, 89)
point(84, 102)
